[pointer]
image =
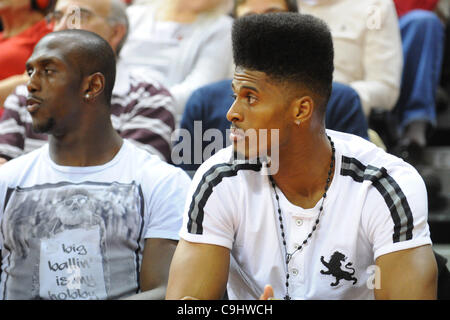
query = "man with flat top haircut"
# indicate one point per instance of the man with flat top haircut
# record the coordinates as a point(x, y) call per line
point(88, 215)
point(209, 104)
point(339, 218)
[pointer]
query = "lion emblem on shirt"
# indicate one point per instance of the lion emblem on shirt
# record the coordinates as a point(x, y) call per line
point(335, 268)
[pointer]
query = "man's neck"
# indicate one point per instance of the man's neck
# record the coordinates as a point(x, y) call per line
point(92, 146)
point(17, 21)
point(303, 171)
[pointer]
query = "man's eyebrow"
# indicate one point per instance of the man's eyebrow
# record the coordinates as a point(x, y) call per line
point(48, 61)
point(250, 88)
point(43, 62)
point(244, 87)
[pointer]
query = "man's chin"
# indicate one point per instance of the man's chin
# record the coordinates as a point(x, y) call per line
point(43, 127)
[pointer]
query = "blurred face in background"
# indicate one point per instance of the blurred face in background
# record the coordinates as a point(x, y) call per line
point(249, 7)
point(89, 15)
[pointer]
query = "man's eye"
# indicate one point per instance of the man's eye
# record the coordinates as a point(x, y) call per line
point(234, 96)
point(251, 99)
point(29, 72)
point(48, 71)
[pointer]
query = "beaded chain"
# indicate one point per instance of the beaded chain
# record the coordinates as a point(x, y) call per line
point(289, 255)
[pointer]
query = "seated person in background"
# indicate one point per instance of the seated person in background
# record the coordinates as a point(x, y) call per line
point(405, 6)
point(392, 65)
point(23, 26)
point(210, 103)
point(423, 49)
point(367, 45)
point(184, 44)
point(88, 215)
point(290, 212)
point(141, 110)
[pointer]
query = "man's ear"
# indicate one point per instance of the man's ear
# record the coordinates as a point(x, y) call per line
point(94, 85)
point(302, 109)
point(119, 32)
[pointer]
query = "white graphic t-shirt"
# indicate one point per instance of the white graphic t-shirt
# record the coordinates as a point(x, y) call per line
point(79, 232)
point(376, 204)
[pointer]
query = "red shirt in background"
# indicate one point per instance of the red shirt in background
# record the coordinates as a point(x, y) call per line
point(404, 6)
point(15, 51)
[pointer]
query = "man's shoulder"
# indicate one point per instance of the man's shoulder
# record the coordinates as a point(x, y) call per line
point(149, 165)
point(17, 166)
point(223, 165)
point(363, 161)
point(354, 147)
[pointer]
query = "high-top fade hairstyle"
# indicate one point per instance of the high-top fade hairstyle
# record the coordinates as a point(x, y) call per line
point(288, 47)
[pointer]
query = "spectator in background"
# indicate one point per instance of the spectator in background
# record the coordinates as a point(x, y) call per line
point(370, 45)
point(423, 48)
point(210, 103)
point(367, 44)
point(404, 6)
point(23, 26)
point(184, 44)
point(141, 110)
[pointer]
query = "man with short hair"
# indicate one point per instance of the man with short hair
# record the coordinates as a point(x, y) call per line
point(88, 215)
point(209, 104)
point(317, 214)
point(141, 111)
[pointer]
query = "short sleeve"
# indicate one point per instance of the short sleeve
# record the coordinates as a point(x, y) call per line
point(208, 215)
point(166, 205)
point(396, 212)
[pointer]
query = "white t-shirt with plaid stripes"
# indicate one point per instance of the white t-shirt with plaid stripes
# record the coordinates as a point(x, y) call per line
point(376, 204)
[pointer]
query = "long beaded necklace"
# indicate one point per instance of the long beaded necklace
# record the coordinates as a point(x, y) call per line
point(288, 256)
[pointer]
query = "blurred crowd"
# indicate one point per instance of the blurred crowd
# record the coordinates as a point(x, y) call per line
point(175, 64)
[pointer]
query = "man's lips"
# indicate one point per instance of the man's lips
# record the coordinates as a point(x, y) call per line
point(236, 134)
point(33, 104)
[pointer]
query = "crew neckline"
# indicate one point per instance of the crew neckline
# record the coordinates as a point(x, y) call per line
point(89, 169)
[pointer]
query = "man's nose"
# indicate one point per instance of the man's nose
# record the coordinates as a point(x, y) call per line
point(234, 114)
point(33, 83)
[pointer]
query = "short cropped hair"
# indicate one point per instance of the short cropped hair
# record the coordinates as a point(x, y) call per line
point(90, 53)
point(291, 47)
point(290, 4)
